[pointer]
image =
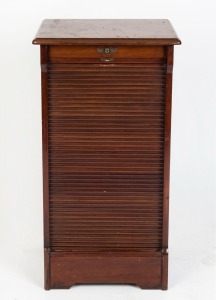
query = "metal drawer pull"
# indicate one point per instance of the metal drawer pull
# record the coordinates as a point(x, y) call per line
point(107, 59)
point(106, 50)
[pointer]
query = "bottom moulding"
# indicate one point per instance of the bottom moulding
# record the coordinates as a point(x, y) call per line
point(146, 270)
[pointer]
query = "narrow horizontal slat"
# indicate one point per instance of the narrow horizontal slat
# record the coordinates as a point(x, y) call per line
point(108, 98)
point(148, 63)
point(128, 199)
point(71, 81)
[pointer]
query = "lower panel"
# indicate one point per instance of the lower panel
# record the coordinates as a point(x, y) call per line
point(146, 271)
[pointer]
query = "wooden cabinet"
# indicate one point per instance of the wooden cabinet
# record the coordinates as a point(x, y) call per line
point(106, 115)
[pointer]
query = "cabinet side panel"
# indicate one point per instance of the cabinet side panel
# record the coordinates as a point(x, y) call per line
point(167, 136)
point(44, 60)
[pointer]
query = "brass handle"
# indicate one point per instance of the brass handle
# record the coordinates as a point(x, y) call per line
point(106, 50)
point(107, 59)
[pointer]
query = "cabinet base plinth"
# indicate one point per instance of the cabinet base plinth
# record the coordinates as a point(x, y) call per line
point(148, 271)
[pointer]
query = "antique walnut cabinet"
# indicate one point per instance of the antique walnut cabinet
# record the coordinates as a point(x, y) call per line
point(106, 118)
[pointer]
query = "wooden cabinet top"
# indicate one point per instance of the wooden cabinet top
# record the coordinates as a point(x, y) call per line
point(128, 32)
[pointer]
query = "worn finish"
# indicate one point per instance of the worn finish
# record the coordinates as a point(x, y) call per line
point(106, 268)
point(123, 32)
point(106, 113)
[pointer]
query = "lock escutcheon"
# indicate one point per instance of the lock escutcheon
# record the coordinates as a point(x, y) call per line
point(106, 50)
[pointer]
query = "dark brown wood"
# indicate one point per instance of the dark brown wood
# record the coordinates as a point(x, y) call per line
point(47, 277)
point(167, 140)
point(164, 271)
point(56, 52)
point(106, 113)
point(141, 270)
point(45, 145)
point(91, 32)
point(167, 137)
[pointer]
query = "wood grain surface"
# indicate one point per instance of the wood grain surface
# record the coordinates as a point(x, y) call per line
point(141, 270)
point(106, 135)
point(146, 32)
